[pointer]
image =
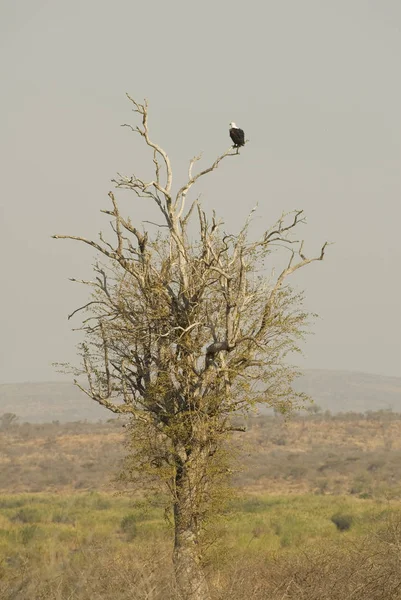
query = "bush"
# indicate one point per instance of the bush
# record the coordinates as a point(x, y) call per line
point(27, 515)
point(62, 518)
point(100, 503)
point(28, 533)
point(342, 522)
point(12, 502)
point(128, 526)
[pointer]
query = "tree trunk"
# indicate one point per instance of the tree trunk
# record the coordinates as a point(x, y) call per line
point(189, 574)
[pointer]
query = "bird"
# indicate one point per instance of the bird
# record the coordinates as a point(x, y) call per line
point(237, 135)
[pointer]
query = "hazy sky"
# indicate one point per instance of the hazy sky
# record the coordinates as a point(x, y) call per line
point(315, 84)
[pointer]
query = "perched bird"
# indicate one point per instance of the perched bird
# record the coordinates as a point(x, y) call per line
point(237, 135)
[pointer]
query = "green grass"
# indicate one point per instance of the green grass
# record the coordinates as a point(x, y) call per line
point(259, 523)
point(77, 546)
point(79, 516)
point(271, 523)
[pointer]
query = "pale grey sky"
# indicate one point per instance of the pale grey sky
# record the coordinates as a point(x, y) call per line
point(315, 84)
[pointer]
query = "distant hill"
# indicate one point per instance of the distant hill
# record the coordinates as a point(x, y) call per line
point(337, 391)
point(350, 391)
point(49, 401)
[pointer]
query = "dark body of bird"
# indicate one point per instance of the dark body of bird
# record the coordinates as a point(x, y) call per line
point(237, 135)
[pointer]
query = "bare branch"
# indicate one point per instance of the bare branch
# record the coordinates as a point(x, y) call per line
point(280, 229)
point(85, 306)
point(291, 268)
point(184, 190)
point(116, 213)
point(115, 408)
point(142, 109)
point(86, 241)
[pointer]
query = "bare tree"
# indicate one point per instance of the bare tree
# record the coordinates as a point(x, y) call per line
point(183, 332)
point(8, 421)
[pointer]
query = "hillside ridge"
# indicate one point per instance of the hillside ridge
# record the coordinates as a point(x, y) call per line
point(333, 390)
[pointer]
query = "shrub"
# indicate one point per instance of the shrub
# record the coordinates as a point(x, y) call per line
point(28, 532)
point(342, 522)
point(276, 528)
point(12, 502)
point(128, 526)
point(259, 529)
point(62, 518)
point(27, 515)
point(322, 486)
point(101, 503)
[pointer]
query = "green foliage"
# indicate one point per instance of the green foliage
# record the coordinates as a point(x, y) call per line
point(342, 522)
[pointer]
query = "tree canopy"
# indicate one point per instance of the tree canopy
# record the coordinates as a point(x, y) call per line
point(184, 331)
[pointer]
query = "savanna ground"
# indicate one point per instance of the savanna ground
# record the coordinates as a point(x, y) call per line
point(317, 515)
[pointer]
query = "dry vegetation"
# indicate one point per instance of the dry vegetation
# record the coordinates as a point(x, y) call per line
point(330, 528)
point(343, 454)
point(95, 546)
point(51, 456)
